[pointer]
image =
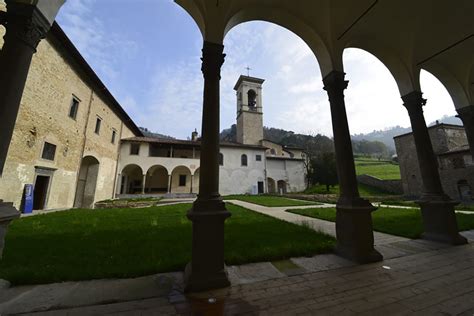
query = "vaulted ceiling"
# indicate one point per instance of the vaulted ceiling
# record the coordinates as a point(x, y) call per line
point(405, 35)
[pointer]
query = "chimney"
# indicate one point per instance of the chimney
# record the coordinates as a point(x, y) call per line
point(194, 135)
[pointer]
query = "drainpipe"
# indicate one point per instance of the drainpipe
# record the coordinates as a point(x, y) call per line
point(116, 180)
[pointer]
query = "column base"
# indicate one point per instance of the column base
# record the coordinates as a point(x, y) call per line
point(7, 214)
point(207, 270)
point(439, 220)
point(355, 237)
point(199, 281)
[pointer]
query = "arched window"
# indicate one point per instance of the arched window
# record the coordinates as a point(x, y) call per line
point(243, 160)
point(252, 96)
point(273, 151)
point(221, 159)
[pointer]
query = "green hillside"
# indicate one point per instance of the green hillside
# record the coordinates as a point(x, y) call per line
point(382, 169)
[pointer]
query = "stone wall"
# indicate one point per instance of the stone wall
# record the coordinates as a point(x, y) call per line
point(53, 81)
point(237, 179)
point(392, 186)
point(444, 138)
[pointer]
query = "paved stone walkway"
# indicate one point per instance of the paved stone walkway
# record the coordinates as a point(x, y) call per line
point(436, 282)
point(417, 277)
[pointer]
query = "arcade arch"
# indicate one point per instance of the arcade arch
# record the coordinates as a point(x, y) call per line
point(132, 180)
point(156, 180)
point(87, 182)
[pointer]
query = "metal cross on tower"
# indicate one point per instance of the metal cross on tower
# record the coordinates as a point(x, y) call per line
point(248, 71)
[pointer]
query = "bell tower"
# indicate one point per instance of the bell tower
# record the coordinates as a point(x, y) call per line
point(249, 110)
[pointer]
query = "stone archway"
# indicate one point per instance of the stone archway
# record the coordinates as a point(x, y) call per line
point(271, 185)
point(281, 187)
point(181, 180)
point(87, 182)
point(132, 180)
point(156, 180)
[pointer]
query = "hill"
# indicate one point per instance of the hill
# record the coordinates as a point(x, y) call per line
point(386, 136)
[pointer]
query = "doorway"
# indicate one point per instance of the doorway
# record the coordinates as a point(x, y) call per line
point(40, 193)
point(260, 187)
point(87, 182)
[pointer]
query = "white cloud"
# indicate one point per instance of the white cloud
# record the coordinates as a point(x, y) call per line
point(106, 49)
point(174, 101)
point(293, 93)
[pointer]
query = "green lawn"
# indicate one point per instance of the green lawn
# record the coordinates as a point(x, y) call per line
point(380, 169)
point(269, 200)
point(400, 222)
point(364, 190)
point(119, 243)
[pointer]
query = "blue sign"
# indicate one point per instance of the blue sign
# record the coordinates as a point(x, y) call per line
point(28, 199)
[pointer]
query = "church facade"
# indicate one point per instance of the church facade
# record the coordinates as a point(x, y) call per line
point(250, 165)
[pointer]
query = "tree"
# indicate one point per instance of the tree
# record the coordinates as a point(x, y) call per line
point(324, 169)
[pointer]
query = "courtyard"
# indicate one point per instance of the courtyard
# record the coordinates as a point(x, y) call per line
point(137, 175)
point(278, 262)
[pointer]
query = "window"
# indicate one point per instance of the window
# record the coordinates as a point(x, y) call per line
point(98, 122)
point(49, 151)
point(134, 149)
point(252, 98)
point(273, 151)
point(221, 159)
point(74, 107)
point(182, 180)
point(243, 160)
point(114, 134)
point(258, 157)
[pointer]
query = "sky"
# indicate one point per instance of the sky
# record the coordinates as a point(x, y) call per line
point(147, 52)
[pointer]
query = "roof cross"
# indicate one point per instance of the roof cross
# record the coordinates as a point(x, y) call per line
point(248, 71)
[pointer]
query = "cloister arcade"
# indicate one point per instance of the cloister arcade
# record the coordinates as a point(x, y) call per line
point(406, 36)
point(328, 28)
point(157, 179)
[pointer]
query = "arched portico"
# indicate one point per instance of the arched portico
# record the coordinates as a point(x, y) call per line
point(132, 180)
point(87, 182)
point(328, 28)
point(271, 185)
point(156, 179)
point(181, 180)
point(282, 186)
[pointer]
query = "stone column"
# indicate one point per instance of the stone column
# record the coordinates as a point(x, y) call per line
point(437, 209)
point(7, 214)
point(144, 183)
point(207, 269)
point(355, 238)
point(466, 114)
point(119, 185)
point(191, 190)
point(25, 26)
point(169, 183)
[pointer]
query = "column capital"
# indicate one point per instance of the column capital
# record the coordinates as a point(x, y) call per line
point(414, 102)
point(26, 23)
point(334, 82)
point(212, 60)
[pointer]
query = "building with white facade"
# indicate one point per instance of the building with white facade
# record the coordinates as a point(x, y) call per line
point(149, 165)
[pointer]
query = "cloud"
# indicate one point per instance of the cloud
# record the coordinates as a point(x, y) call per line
point(168, 98)
point(105, 48)
point(174, 100)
